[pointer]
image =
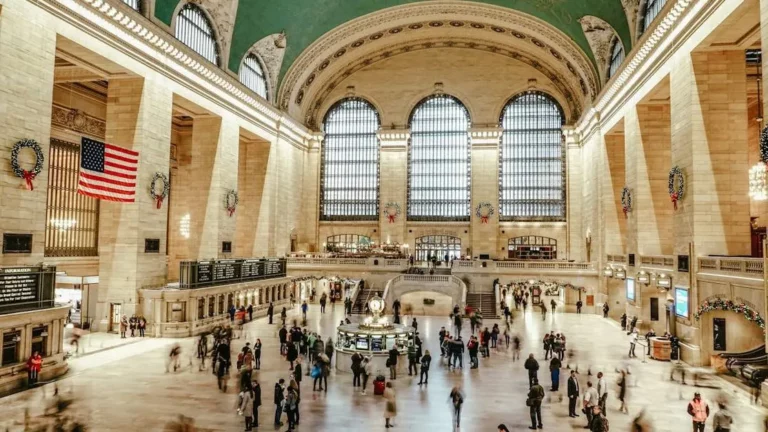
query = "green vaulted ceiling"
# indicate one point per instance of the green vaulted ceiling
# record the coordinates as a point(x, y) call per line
point(304, 21)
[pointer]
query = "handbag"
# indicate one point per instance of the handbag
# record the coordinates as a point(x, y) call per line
point(316, 372)
point(528, 402)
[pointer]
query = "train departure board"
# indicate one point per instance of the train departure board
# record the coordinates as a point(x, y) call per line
point(196, 274)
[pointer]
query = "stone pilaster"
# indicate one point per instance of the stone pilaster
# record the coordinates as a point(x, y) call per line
point(27, 50)
point(574, 183)
point(254, 216)
point(613, 178)
point(308, 239)
point(485, 188)
point(208, 168)
point(393, 184)
point(709, 143)
point(139, 115)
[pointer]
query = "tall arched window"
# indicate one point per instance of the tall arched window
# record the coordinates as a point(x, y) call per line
point(617, 57)
point(439, 160)
point(195, 30)
point(650, 12)
point(252, 75)
point(532, 168)
point(134, 4)
point(350, 162)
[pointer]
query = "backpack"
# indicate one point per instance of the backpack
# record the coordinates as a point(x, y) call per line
point(603, 424)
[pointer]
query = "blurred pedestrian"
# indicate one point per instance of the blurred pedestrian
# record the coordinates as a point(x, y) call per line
point(699, 412)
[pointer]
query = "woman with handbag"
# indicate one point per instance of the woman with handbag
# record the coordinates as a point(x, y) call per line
point(390, 410)
point(246, 407)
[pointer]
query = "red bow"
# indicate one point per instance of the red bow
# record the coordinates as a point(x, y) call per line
point(391, 218)
point(159, 201)
point(231, 210)
point(625, 210)
point(484, 219)
point(674, 197)
point(29, 176)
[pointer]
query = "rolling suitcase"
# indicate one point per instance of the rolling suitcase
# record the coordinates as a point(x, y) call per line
point(378, 385)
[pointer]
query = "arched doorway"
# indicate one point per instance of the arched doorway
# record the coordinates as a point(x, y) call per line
point(437, 245)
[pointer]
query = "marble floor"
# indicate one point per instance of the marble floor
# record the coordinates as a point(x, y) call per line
point(127, 388)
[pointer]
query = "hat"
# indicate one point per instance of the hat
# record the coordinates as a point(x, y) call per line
point(697, 394)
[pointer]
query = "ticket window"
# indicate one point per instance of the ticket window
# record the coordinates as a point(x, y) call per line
point(40, 340)
point(11, 347)
point(211, 306)
point(221, 305)
point(176, 312)
point(201, 308)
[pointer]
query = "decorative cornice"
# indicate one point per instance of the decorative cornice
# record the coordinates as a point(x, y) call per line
point(78, 121)
point(391, 137)
point(485, 137)
point(137, 36)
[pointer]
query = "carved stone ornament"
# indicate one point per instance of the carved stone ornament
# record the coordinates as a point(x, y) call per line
point(223, 13)
point(271, 50)
point(632, 8)
point(599, 34)
point(78, 121)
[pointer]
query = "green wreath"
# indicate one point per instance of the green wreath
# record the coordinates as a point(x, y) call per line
point(728, 305)
point(166, 188)
point(230, 201)
point(676, 193)
point(626, 200)
point(28, 176)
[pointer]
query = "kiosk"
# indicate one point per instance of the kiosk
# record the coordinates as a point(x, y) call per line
point(373, 338)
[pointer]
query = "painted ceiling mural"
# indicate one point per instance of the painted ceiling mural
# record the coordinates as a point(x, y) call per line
point(304, 21)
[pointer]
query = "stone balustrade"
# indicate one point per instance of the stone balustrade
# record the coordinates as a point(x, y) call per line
point(658, 260)
point(728, 265)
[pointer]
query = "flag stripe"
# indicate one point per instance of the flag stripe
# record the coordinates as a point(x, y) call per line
point(109, 163)
point(117, 156)
point(103, 197)
point(115, 192)
point(84, 174)
point(102, 183)
point(121, 150)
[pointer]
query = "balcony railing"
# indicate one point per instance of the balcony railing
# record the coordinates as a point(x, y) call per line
point(458, 266)
point(748, 266)
point(658, 260)
point(384, 263)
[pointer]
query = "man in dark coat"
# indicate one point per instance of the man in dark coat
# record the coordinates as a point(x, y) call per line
point(533, 369)
point(279, 397)
point(270, 312)
point(573, 394)
point(256, 402)
point(535, 397)
point(392, 363)
point(283, 335)
point(579, 304)
point(250, 312)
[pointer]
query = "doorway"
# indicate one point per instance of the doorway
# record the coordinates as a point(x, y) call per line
point(115, 312)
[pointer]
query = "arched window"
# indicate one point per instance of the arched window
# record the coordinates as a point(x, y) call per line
point(617, 57)
point(650, 12)
point(252, 75)
point(134, 4)
point(438, 246)
point(349, 176)
point(439, 160)
point(532, 169)
point(194, 29)
point(349, 243)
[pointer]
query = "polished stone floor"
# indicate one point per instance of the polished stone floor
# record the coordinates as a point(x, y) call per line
point(127, 389)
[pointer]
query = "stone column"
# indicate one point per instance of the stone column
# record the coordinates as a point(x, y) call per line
point(575, 249)
point(310, 218)
point(254, 229)
point(709, 143)
point(139, 115)
point(485, 188)
point(648, 141)
point(613, 179)
point(393, 184)
point(27, 50)
point(208, 168)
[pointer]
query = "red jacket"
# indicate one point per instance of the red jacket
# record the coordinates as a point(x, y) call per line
point(35, 363)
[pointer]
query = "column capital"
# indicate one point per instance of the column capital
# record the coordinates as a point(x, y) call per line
point(572, 137)
point(315, 139)
point(485, 136)
point(394, 139)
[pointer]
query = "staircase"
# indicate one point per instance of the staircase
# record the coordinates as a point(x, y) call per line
point(362, 297)
point(483, 301)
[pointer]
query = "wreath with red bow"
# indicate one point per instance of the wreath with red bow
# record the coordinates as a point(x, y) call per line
point(676, 185)
point(392, 211)
point(231, 201)
point(28, 176)
point(484, 211)
point(626, 200)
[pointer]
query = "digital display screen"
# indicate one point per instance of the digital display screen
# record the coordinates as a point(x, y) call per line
point(362, 343)
point(681, 302)
point(630, 289)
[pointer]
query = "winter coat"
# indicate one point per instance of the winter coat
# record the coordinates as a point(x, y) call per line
point(246, 404)
point(532, 365)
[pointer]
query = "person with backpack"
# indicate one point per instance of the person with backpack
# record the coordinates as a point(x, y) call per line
point(472, 347)
point(598, 423)
point(532, 366)
point(289, 406)
point(425, 362)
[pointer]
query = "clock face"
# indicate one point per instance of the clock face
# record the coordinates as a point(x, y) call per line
point(376, 305)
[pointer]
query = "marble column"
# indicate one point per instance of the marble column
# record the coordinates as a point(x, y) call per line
point(576, 247)
point(139, 113)
point(393, 184)
point(484, 143)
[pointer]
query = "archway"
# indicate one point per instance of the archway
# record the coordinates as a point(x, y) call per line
point(426, 303)
point(438, 245)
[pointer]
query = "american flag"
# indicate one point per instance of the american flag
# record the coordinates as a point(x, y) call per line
point(107, 172)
